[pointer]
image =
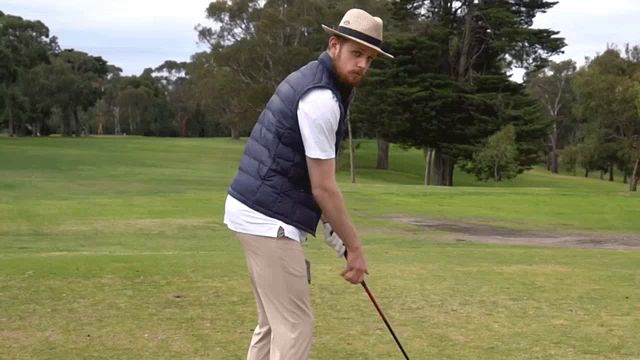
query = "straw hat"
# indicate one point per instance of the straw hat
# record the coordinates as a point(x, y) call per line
point(358, 25)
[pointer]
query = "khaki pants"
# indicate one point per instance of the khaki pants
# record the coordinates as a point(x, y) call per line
point(279, 280)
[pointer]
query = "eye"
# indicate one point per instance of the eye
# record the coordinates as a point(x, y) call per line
point(357, 53)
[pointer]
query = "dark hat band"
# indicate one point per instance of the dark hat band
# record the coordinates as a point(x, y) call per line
point(359, 35)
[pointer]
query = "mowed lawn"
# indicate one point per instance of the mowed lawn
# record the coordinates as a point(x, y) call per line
point(114, 248)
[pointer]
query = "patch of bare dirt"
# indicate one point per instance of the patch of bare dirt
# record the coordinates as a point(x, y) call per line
point(482, 233)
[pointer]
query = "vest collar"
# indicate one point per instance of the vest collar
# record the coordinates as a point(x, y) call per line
point(346, 91)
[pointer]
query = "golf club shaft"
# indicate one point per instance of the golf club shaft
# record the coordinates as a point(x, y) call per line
point(384, 318)
point(375, 304)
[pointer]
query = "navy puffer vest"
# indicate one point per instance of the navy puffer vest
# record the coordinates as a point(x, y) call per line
point(273, 178)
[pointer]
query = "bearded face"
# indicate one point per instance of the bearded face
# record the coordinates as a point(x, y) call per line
point(351, 60)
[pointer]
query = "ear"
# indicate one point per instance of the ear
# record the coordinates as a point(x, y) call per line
point(334, 45)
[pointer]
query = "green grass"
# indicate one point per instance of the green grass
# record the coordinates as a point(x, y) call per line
point(114, 248)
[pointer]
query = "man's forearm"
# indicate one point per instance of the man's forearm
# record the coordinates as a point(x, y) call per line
point(334, 212)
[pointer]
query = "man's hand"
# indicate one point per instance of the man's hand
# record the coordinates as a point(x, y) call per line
point(356, 266)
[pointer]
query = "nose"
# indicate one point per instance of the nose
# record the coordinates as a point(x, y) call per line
point(363, 63)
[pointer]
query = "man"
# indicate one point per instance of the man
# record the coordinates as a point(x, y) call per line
point(286, 182)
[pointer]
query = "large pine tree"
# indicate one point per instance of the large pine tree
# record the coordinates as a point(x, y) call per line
point(448, 88)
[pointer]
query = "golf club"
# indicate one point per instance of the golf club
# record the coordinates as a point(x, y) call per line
point(375, 304)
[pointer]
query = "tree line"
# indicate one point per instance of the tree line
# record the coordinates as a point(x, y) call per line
point(447, 92)
point(594, 113)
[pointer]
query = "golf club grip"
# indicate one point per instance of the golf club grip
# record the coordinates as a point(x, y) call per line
point(384, 319)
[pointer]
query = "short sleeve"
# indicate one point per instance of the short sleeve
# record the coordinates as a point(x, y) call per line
point(318, 118)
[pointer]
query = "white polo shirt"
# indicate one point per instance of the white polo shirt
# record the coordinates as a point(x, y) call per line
point(318, 118)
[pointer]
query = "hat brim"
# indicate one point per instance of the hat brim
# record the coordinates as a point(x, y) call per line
point(331, 31)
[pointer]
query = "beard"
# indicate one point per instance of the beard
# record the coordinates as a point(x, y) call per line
point(351, 78)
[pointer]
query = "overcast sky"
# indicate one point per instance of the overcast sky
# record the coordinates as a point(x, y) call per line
point(135, 34)
point(131, 34)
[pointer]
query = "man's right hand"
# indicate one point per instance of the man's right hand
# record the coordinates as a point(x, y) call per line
point(356, 266)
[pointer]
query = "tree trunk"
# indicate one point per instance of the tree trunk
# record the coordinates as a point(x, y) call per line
point(235, 134)
point(130, 121)
point(184, 122)
point(76, 122)
point(383, 154)
point(496, 175)
point(10, 115)
point(138, 122)
point(635, 177)
point(100, 118)
point(66, 123)
point(626, 175)
point(586, 173)
point(601, 174)
point(554, 149)
point(352, 166)
point(443, 168)
point(430, 167)
point(426, 152)
point(116, 120)
point(428, 161)
point(37, 127)
point(463, 62)
point(610, 172)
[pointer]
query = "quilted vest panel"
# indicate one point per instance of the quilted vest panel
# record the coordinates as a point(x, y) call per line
point(272, 177)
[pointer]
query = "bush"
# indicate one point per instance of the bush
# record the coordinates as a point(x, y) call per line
point(498, 159)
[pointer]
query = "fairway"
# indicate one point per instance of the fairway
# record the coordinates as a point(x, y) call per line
point(114, 248)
